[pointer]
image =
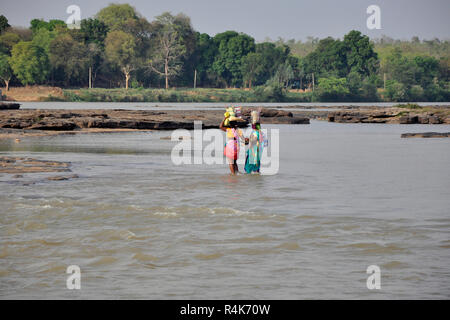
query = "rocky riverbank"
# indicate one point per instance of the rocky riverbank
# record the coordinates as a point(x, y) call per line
point(41, 122)
point(399, 115)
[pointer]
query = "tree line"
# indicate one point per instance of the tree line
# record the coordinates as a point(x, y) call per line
point(118, 47)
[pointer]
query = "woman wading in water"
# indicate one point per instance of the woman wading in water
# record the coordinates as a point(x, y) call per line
point(256, 146)
point(234, 136)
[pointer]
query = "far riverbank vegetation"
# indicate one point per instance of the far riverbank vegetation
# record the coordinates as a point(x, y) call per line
point(119, 56)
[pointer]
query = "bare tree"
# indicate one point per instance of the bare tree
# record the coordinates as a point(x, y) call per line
point(169, 49)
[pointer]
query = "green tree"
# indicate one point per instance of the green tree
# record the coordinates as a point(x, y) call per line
point(120, 49)
point(427, 69)
point(354, 82)
point(369, 91)
point(283, 76)
point(360, 55)
point(96, 57)
point(271, 58)
point(7, 41)
point(251, 67)
point(332, 89)
point(29, 63)
point(203, 57)
point(400, 68)
point(396, 91)
point(69, 56)
point(42, 38)
point(5, 70)
point(232, 47)
point(94, 31)
point(3, 24)
point(444, 68)
point(51, 25)
point(328, 59)
point(117, 16)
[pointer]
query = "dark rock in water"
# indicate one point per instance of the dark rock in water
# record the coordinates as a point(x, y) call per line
point(62, 178)
point(55, 125)
point(347, 117)
point(9, 106)
point(409, 119)
point(298, 120)
point(267, 113)
point(426, 135)
point(285, 120)
point(18, 165)
point(388, 116)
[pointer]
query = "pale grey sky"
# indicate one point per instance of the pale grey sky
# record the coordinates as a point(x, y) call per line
point(400, 19)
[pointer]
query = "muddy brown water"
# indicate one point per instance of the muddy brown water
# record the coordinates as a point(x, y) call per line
point(346, 196)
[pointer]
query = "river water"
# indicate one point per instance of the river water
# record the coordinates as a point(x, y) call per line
point(346, 196)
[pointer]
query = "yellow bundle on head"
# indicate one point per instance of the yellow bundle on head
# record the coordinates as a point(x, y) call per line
point(228, 114)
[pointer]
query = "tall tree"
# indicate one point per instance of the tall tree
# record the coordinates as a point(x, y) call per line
point(117, 16)
point(252, 66)
point(271, 56)
point(71, 57)
point(188, 38)
point(29, 63)
point(203, 57)
point(5, 70)
point(120, 49)
point(360, 54)
point(232, 47)
point(3, 24)
point(328, 59)
point(169, 48)
point(96, 58)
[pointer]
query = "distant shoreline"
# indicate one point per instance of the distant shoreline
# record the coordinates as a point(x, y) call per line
point(174, 95)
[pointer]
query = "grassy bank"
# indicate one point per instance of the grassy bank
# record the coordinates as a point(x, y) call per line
point(179, 95)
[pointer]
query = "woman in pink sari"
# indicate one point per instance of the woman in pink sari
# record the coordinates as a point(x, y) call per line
point(231, 151)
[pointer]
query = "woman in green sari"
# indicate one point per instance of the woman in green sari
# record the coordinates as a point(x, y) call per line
point(253, 158)
point(256, 146)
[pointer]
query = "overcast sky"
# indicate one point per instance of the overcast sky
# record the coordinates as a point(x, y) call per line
point(400, 19)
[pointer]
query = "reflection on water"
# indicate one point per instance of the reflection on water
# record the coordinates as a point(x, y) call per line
point(347, 196)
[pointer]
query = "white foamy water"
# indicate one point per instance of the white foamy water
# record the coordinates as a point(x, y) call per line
point(347, 196)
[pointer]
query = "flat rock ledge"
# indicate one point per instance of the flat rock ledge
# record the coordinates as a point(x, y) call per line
point(20, 165)
point(390, 115)
point(72, 120)
point(426, 135)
